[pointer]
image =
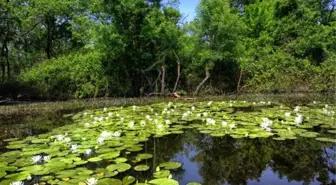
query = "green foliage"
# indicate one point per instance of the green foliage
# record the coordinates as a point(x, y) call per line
point(73, 76)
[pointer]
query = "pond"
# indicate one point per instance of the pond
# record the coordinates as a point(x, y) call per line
point(209, 143)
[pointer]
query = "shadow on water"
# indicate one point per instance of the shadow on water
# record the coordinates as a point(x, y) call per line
point(224, 160)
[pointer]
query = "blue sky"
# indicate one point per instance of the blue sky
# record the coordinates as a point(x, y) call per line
point(187, 8)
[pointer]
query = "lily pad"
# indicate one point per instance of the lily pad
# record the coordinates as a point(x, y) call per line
point(170, 165)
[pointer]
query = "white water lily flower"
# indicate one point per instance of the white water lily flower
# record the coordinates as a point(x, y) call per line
point(94, 122)
point(205, 114)
point(156, 121)
point(268, 129)
point(133, 107)
point(105, 109)
point(268, 102)
point(232, 126)
point(210, 121)
point(170, 104)
point(287, 114)
point(106, 134)
point(59, 138)
point(91, 181)
point(325, 111)
point(254, 103)
point(167, 121)
point(116, 134)
point(95, 118)
point(131, 124)
point(198, 115)
point(74, 147)
point(101, 119)
point(298, 120)
point(314, 102)
point(83, 138)
point(185, 115)
point(156, 114)
point(224, 123)
point(231, 105)
point(109, 114)
point(118, 115)
point(88, 151)
point(85, 113)
point(87, 124)
point(297, 108)
point(122, 119)
point(91, 116)
point(193, 108)
point(209, 103)
point(36, 158)
point(148, 117)
point(46, 158)
point(67, 139)
point(326, 106)
point(160, 126)
point(17, 183)
point(100, 140)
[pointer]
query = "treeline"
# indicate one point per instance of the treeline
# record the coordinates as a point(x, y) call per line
point(91, 48)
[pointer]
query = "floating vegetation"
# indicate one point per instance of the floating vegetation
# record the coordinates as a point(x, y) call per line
point(112, 139)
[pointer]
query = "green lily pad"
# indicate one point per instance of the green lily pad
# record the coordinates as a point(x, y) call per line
point(127, 180)
point(170, 165)
point(164, 181)
point(120, 167)
point(141, 168)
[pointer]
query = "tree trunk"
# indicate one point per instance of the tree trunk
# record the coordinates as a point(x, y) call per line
point(50, 26)
point(163, 80)
point(178, 71)
point(239, 80)
point(207, 76)
point(7, 60)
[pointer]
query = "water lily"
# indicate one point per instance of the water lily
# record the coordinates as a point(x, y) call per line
point(232, 126)
point(209, 103)
point(36, 158)
point(59, 138)
point(122, 119)
point(133, 107)
point(297, 108)
point(46, 158)
point(156, 121)
point(85, 113)
point(67, 139)
point(325, 111)
point(131, 124)
point(314, 102)
point(231, 105)
point(109, 114)
point(148, 117)
point(170, 104)
point(100, 140)
point(74, 147)
point(116, 134)
point(105, 109)
point(87, 124)
point(29, 178)
point(160, 126)
point(101, 119)
point(254, 103)
point(88, 151)
point(17, 183)
point(268, 129)
point(167, 121)
point(91, 181)
point(84, 138)
point(193, 108)
point(287, 114)
point(118, 115)
point(198, 115)
point(224, 123)
point(298, 120)
point(205, 114)
point(106, 134)
point(326, 106)
point(210, 121)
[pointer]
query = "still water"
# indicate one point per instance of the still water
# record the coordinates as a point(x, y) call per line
point(210, 160)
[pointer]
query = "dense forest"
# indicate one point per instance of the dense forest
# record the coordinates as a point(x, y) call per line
point(68, 49)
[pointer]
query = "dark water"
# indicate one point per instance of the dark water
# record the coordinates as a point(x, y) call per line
point(218, 160)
